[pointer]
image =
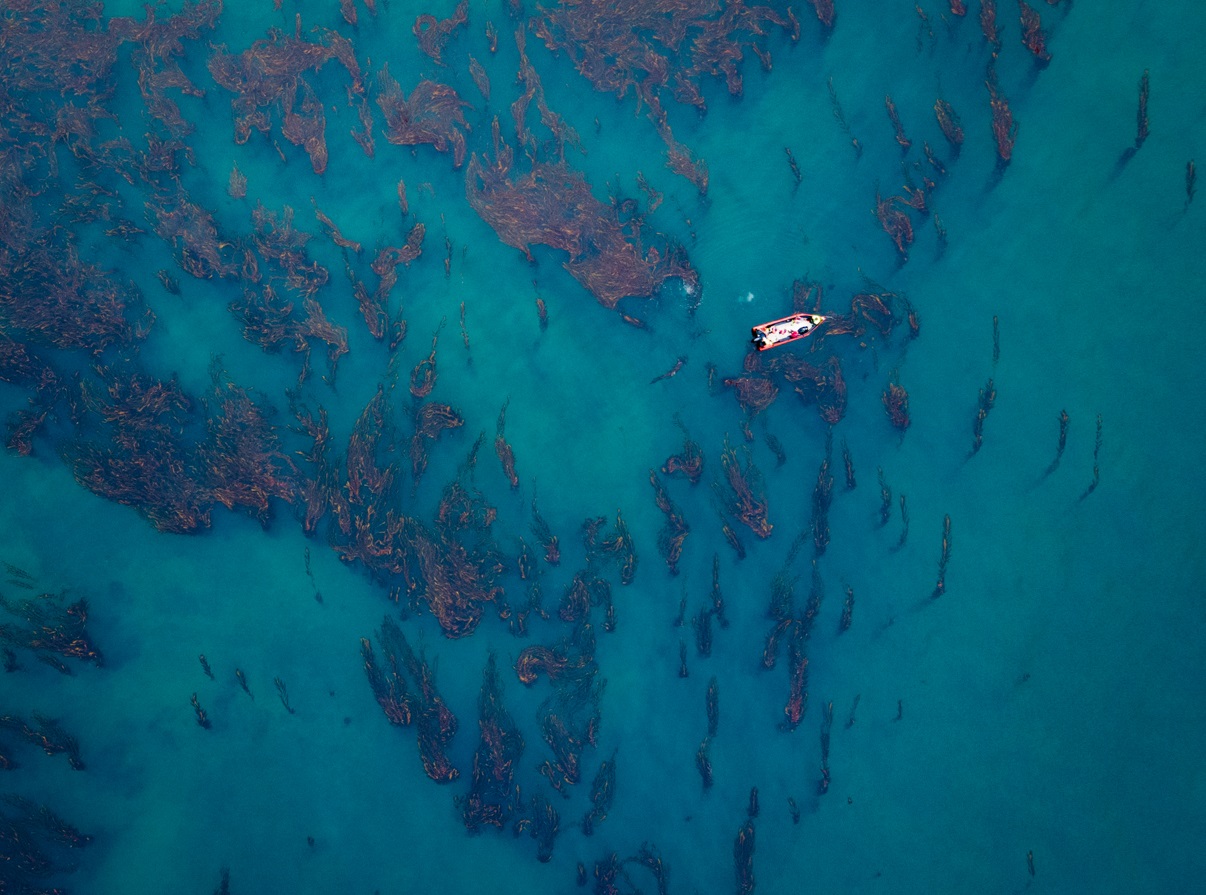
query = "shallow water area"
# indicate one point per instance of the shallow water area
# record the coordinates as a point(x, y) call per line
point(1047, 703)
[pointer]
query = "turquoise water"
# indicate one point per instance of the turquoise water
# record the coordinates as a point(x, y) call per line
point(1051, 701)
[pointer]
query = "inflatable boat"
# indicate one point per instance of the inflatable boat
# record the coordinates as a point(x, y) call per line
point(784, 330)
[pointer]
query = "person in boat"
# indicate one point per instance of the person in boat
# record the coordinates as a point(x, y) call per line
point(779, 332)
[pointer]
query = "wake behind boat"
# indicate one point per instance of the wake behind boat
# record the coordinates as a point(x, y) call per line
point(784, 330)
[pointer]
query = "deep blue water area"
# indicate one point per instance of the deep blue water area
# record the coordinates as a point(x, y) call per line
point(1049, 703)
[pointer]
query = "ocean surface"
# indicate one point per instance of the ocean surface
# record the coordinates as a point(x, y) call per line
point(1036, 726)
